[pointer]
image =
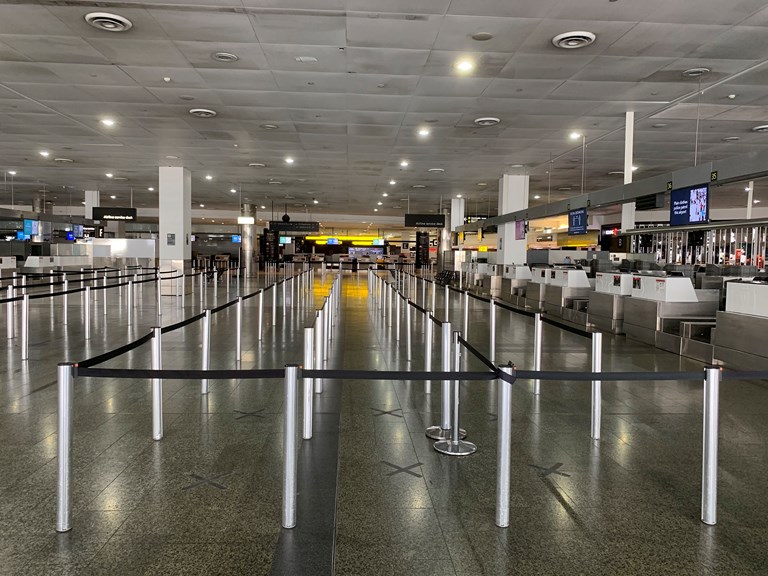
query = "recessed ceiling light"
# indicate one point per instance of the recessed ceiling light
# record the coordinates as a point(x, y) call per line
point(436, 170)
point(109, 175)
point(12, 172)
point(614, 173)
point(233, 191)
point(257, 165)
point(379, 203)
point(269, 126)
point(166, 79)
point(385, 194)
point(464, 65)
point(172, 157)
point(121, 178)
point(424, 132)
point(208, 177)
point(404, 164)
point(315, 201)
point(482, 36)
point(306, 59)
point(634, 168)
point(730, 139)
point(375, 209)
point(573, 40)
point(274, 182)
point(225, 57)
point(536, 197)
point(83, 202)
point(113, 196)
point(458, 195)
point(203, 112)
point(486, 121)
point(418, 186)
point(696, 72)
point(263, 207)
point(289, 160)
point(755, 201)
point(108, 22)
point(151, 189)
point(44, 153)
point(747, 189)
point(392, 182)
point(63, 160)
point(763, 128)
point(575, 135)
point(659, 125)
point(731, 96)
point(108, 122)
point(567, 188)
point(482, 184)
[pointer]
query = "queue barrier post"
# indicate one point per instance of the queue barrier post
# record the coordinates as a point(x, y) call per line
point(157, 384)
point(290, 460)
point(537, 338)
point(309, 350)
point(455, 446)
point(712, 377)
point(65, 387)
point(206, 348)
point(597, 366)
point(504, 449)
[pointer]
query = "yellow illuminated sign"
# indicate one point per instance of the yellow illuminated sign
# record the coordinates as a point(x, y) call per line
point(482, 248)
point(324, 238)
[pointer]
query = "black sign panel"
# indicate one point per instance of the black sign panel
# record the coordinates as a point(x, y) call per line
point(422, 249)
point(271, 246)
point(119, 214)
point(279, 226)
point(425, 220)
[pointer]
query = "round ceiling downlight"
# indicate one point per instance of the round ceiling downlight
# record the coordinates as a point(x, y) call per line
point(573, 40)
point(482, 36)
point(202, 112)
point(487, 121)
point(763, 128)
point(63, 160)
point(696, 72)
point(436, 170)
point(225, 57)
point(730, 139)
point(108, 22)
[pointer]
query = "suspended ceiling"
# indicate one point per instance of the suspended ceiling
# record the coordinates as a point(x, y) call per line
point(349, 83)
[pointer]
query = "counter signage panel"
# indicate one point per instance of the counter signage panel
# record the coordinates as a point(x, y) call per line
point(577, 222)
point(689, 206)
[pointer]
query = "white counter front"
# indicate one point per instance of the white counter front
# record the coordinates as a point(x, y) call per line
point(744, 298)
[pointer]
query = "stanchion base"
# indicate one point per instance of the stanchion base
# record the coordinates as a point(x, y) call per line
point(451, 448)
point(437, 433)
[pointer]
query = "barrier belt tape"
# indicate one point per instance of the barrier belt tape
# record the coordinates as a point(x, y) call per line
point(115, 353)
point(254, 294)
point(477, 353)
point(436, 320)
point(419, 308)
point(223, 306)
point(187, 322)
point(86, 372)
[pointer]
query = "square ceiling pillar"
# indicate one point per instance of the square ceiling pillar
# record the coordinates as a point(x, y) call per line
point(513, 196)
point(92, 200)
point(175, 211)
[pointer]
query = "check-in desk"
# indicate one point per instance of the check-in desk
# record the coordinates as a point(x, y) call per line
point(606, 303)
point(514, 282)
point(661, 305)
point(567, 295)
point(536, 291)
point(740, 334)
point(7, 266)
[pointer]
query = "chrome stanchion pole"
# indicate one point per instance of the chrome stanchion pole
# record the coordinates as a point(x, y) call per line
point(597, 366)
point(443, 430)
point(408, 328)
point(389, 305)
point(447, 303)
point(159, 295)
point(504, 449)
point(434, 292)
point(65, 385)
point(397, 317)
point(709, 449)
point(9, 312)
point(157, 384)
point(290, 460)
point(492, 345)
point(239, 339)
point(105, 293)
point(456, 446)
point(274, 304)
point(309, 349)
point(130, 302)
point(25, 327)
point(261, 314)
point(285, 307)
point(327, 326)
point(466, 313)
point(319, 346)
point(206, 347)
point(423, 292)
point(87, 313)
point(65, 297)
point(427, 351)
point(537, 329)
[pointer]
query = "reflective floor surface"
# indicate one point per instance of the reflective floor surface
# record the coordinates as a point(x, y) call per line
point(374, 497)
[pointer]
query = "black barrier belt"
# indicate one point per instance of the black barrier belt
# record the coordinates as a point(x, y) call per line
point(396, 375)
point(419, 308)
point(514, 309)
point(254, 294)
point(607, 376)
point(86, 372)
point(567, 327)
point(223, 306)
point(436, 320)
point(114, 353)
point(477, 353)
point(181, 324)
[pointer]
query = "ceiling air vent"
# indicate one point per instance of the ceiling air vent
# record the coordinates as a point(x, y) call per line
point(108, 22)
point(572, 40)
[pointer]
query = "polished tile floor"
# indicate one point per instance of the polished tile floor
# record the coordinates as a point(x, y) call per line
point(374, 497)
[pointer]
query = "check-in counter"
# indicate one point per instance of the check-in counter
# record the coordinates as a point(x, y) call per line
point(7, 266)
point(740, 334)
point(514, 282)
point(567, 294)
point(606, 303)
point(660, 304)
point(536, 291)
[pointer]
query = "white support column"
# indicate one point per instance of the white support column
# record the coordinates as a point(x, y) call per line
point(92, 200)
point(750, 196)
point(513, 196)
point(628, 210)
point(175, 210)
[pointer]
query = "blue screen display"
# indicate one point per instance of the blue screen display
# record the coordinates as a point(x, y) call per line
point(333, 241)
point(689, 206)
point(31, 227)
point(236, 238)
point(70, 235)
point(577, 221)
point(20, 235)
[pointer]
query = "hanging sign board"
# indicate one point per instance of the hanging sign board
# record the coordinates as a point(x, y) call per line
point(119, 214)
point(278, 226)
point(425, 220)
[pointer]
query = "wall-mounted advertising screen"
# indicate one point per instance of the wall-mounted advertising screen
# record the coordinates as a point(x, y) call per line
point(577, 221)
point(689, 206)
point(31, 227)
point(78, 230)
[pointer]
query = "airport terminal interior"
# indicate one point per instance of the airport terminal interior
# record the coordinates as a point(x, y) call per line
point(367, 287)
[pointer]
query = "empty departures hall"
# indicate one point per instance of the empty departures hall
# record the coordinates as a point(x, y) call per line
point(370, 288)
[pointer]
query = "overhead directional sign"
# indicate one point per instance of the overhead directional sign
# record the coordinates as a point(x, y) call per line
point(112, 213)
point(425, 220)
point(278, 226)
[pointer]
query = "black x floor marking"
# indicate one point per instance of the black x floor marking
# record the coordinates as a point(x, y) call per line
point(390, 412)
point(246, 414)
point(406, 469)
point(544, 472)
point(202, 480)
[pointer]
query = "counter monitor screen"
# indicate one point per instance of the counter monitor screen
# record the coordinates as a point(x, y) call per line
point(689, 206)
point(236, 238)
point(70, 236)
point(285, 239)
